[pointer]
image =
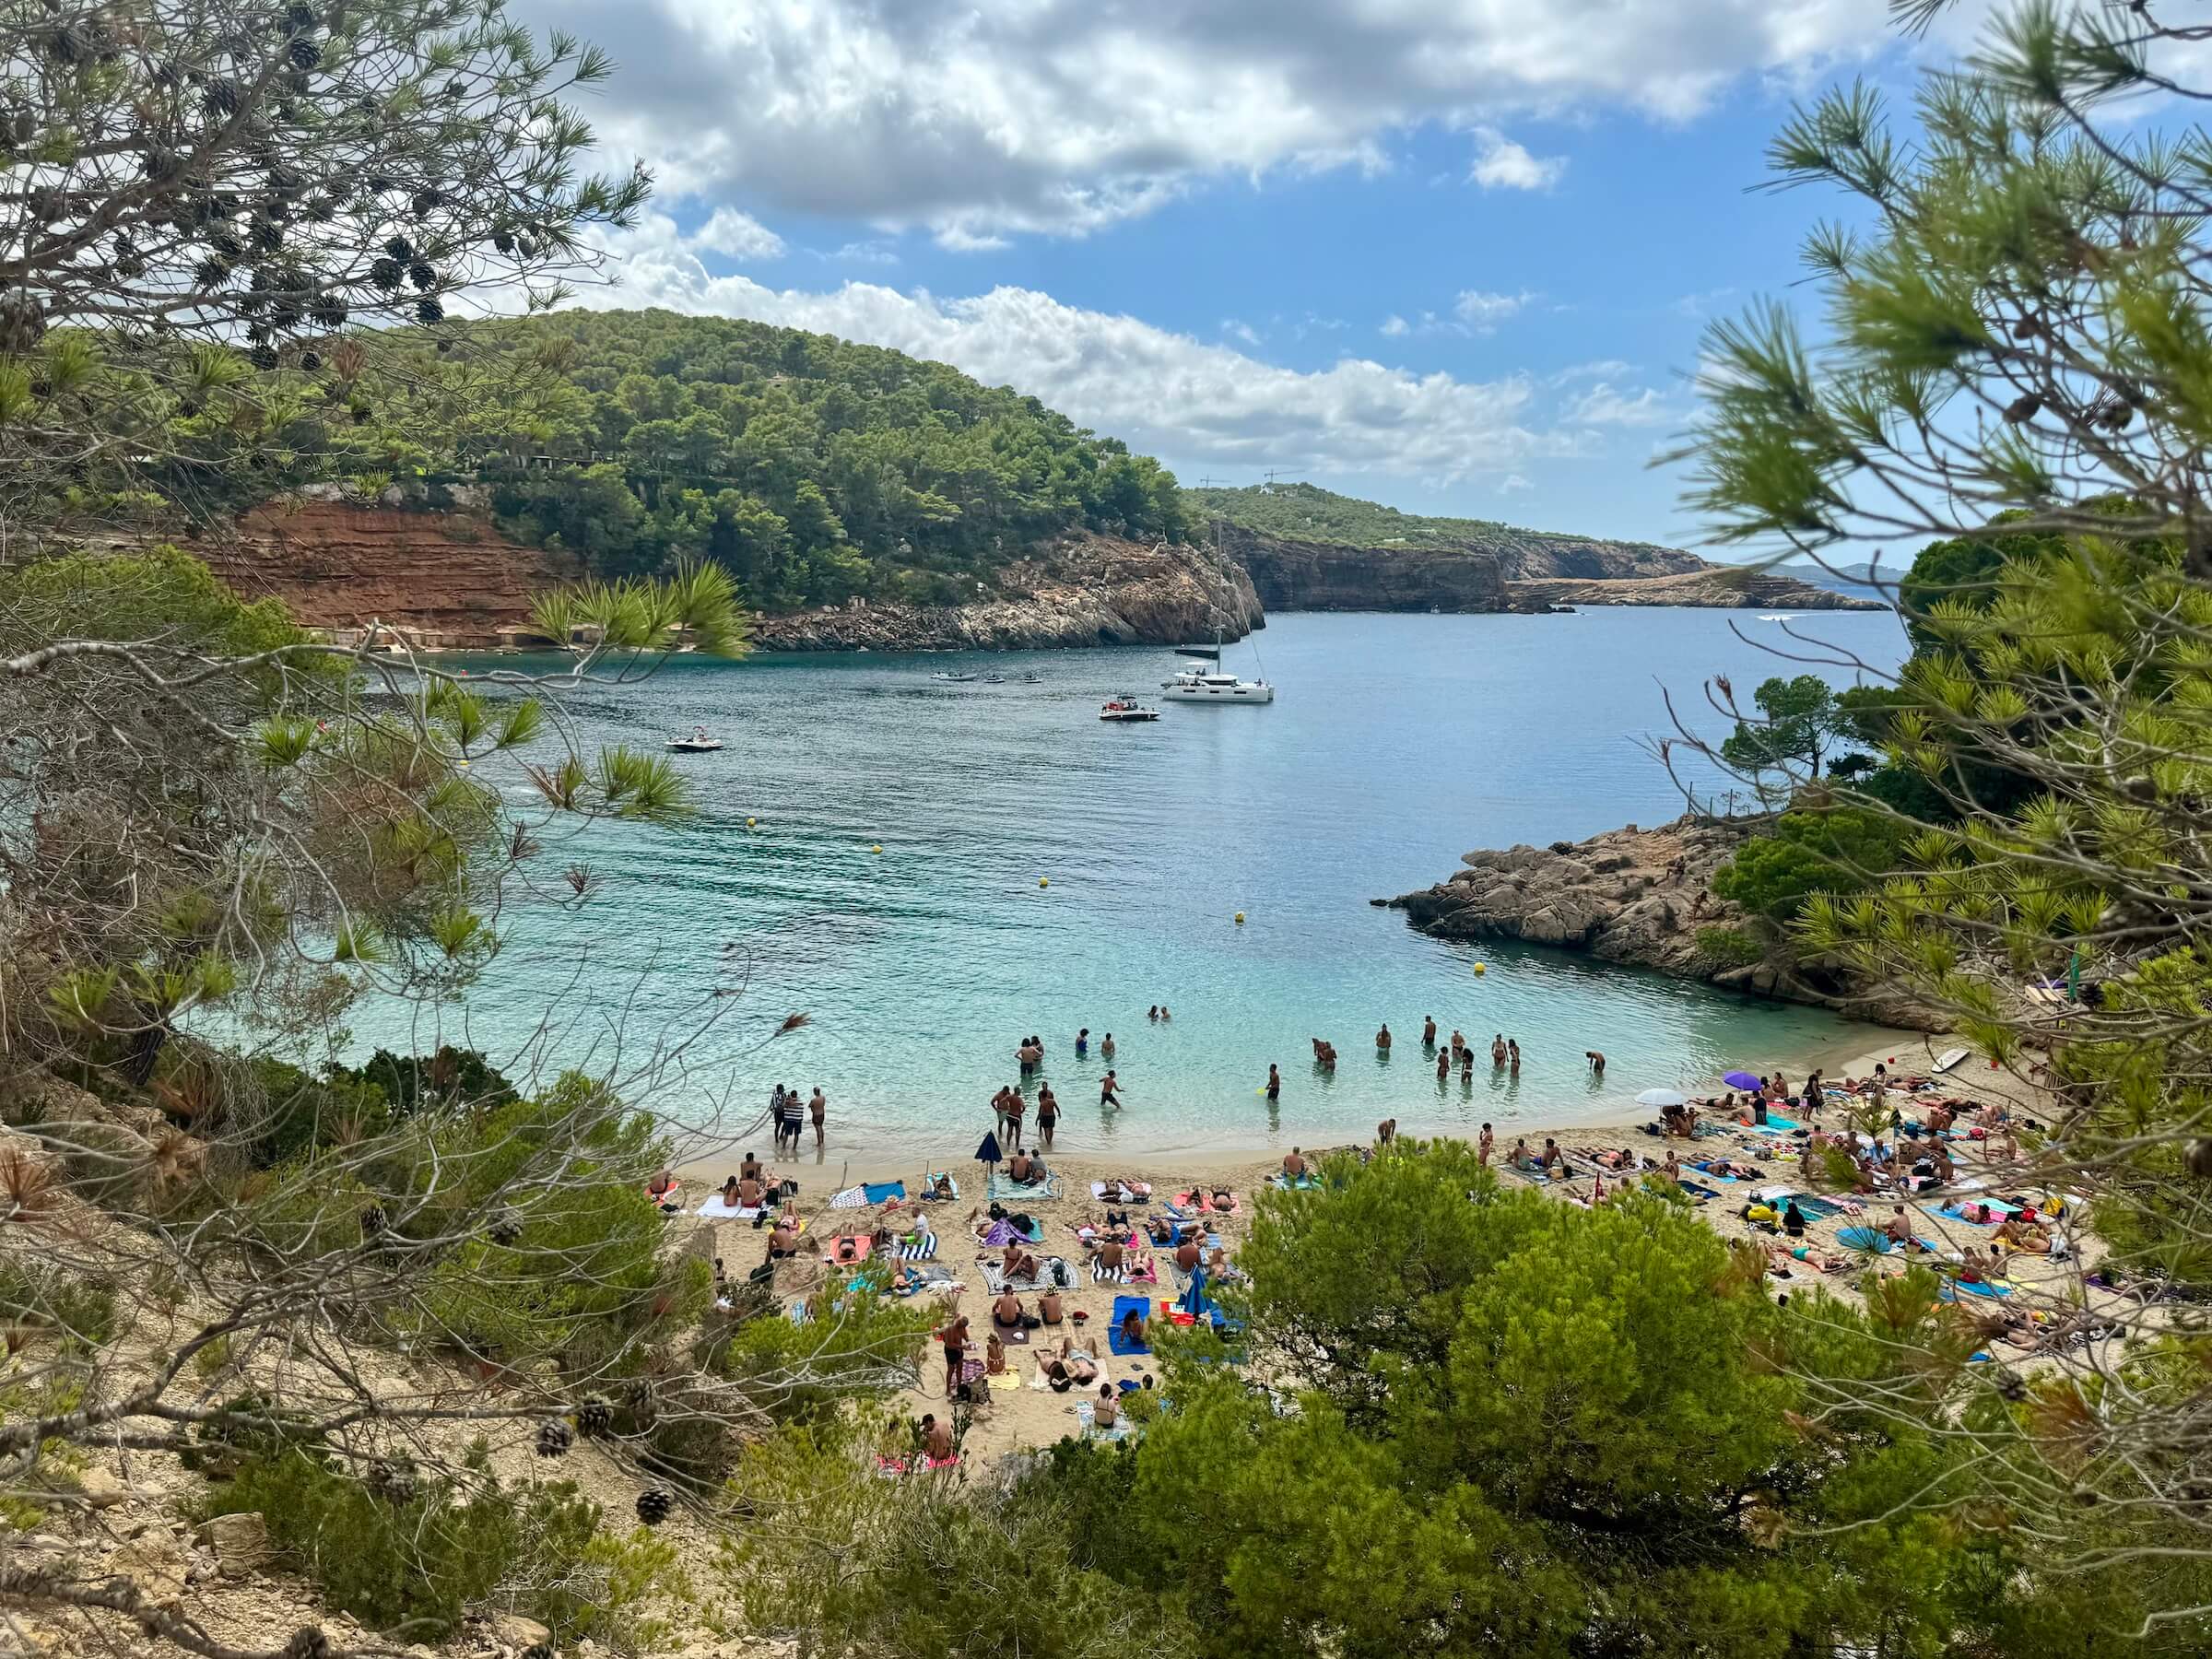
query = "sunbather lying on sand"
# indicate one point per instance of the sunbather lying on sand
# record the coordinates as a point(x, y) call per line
point(1071, 1367)
point(1782, 1257)
point(2030, 1237)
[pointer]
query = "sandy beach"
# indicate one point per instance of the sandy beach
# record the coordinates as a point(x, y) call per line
point(1023, 1413)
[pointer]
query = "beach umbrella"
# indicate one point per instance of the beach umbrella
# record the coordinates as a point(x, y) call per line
point(1740, 1080)
point(988, 1153)
point(1662, 1097)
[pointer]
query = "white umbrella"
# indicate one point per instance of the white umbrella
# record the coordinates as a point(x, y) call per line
point(1662, 1097)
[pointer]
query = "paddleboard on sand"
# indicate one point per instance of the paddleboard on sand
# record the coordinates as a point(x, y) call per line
point(1948, 1058)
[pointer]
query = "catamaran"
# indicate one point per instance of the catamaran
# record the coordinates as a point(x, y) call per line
point(1202, 684)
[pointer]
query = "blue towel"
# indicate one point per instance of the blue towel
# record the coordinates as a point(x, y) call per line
point(1122, 1305)
point(1864, 1238)
point(1950, 1290)
point(883, 1191)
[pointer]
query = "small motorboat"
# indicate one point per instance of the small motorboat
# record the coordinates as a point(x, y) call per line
point(1127, 708)
point(698, 743)
point(995, 680)
point(955, 679)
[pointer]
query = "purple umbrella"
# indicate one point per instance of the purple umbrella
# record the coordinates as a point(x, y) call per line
point(1740, 1080)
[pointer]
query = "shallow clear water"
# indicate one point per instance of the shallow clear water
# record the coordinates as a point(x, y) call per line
point(1397, 742)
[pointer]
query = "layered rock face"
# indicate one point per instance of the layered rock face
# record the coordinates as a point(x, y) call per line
point(446, 579)
point(1637, 897)
point(1522, 571)
point(1304, 575)
point(1085, 590)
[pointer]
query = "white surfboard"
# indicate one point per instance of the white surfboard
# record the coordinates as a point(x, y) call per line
point(1948, 1058)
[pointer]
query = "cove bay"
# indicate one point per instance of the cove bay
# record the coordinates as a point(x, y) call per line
point(1396, 744)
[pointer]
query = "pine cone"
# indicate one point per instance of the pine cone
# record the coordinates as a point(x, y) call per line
point(392, 1479)
point(374, 1219)
point(428, 311)
point(503, 241)
point(309, 361)
point(554, 1438)
point(22, 322)
point(221, 98)
point(506, 1229)
point(401, 248)
point(427, 201)
point(385, 273)
point(299, 15)
point(305, 53)
point(422, 276)
point(655, 1505)
point(595, 1418)
point(327, 311)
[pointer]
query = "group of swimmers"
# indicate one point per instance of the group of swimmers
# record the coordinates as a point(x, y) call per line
point(789, 1115)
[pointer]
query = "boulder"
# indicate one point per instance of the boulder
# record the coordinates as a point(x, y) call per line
point(241, 1543)
point(100, 1487)
point(155, 1563)
point(511, 1629)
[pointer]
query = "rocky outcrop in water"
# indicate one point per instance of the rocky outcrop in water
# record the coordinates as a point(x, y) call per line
point(1711, 587)
point(1086, 590)
point(1637, 897)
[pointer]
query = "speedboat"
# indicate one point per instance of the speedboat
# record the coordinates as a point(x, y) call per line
point(1127, 708)
point(698, 743)
point(955, 679)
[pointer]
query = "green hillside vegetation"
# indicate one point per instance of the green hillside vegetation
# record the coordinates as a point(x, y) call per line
point(810, 468)
point(1308, 513)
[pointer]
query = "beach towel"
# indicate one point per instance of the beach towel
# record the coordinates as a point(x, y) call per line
point(926, 1278)
point(1004, 1378)
point(882, 1191)
point(1283, 1183)
point(1818, 1209)
point(1698, 1195)
point(852, 1197)
point(1863, 1237)
point(1086, 1419)
point(1003, 1233)
point(1952, 1288)
point(923, 1249)
point(1774, 1126)
point(1003, 1187)
point(1121, 1306)
point(835, 1255)
point(1999, 1211)
point(1706, 1169)
point(1135, 1192)
point(1190, 1200)
point(995, 1277)
point(714, 1210)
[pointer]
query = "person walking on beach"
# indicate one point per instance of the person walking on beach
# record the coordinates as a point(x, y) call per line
point(817, 1108)
point(1382, 1039)
point(1016, 1106)
point(1107, 1090)
point(1275, 1084)
point(1483, 1143)
point(953, 1337)
point(1048, 1115)
point(1427, 1031)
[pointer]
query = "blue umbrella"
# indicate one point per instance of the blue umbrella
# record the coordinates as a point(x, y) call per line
point(988, 1153)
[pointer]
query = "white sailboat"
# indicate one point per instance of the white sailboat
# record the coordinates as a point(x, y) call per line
point(1212, 685)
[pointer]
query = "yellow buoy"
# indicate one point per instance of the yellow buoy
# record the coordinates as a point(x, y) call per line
point(1045, 881)
point(1480, 969)
point(877, 848)
point(1239, 918)
point(750, 822)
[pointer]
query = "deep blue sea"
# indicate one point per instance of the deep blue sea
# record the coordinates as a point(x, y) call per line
point(1395, 744)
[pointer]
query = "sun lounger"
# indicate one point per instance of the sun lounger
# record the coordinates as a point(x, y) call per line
point(929, 1185)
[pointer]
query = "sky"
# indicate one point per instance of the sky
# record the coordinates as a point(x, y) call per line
point(1455, 255)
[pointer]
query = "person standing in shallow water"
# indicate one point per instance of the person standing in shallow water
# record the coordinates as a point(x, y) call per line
point(1082, 1042)
point(1109, 1094)
point(1106, 1048)
point(1275, 1083)
point(1512, 1052)
point(817, 1108)
point(1443, 1065)
point(1427, 1031)
point(1497, 1050)
point(1048, 1115)
point(1382, 1039)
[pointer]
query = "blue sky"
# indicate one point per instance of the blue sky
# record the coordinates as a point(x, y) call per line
point(1451, 255)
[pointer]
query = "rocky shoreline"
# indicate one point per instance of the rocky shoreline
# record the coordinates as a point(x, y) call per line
point(1637, 897)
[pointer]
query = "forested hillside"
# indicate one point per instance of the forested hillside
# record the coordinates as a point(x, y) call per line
point(809, 468)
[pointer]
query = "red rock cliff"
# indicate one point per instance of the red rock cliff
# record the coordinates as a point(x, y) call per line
point(446, 578)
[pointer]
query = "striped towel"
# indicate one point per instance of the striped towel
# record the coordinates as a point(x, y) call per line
point(851, 1198)
point(1102, 1275)
point(923, 1249)
point(1006, 1186)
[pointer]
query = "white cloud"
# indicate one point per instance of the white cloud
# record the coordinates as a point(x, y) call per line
point(1598, 368)
point(1503, 164)
point(875, 252)
point(1604, 405)
point(1191, 402)
point(1394, 325)
point(1237, 330)
point(1512, 483)
point(740, 235)
point(1064, 115)
point(1482, 313)
point(959, 239)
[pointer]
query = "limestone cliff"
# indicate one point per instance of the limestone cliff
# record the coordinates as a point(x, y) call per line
point(1511, 571)
point(1289, 574)
point(1084, 590)
point(1638, 896)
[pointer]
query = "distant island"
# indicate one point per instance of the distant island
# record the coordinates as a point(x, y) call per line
point(859, 496)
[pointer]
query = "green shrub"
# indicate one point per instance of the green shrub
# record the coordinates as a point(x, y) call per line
point(412, 1568)
point(864, 1343)
point(1840, 851)
point(80, 1310)
point(1728, 947)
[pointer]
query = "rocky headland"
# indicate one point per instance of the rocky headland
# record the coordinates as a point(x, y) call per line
point(1638, 896)
point(1514, 570)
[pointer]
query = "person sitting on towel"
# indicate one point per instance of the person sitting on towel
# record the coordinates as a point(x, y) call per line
point(1186, 1253)
point(1971, 1270)
point(1047, 1306)
point(1294, 1165)
point(729, 1193)
point(1108, 1411)
point(1133, 1328)
point(1109, 1253)
point(1022, 1168)
point(1899, 1230)
point(1006, 1312)
point(941, 1187)
point(784, 1242)
point(994, 1355)
point(748, 1195)
point(1792, 1221)
point(663, 1188)
point(2025, 1236)
point(1020, 1263)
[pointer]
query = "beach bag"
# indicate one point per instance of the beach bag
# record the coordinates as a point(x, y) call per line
point(1062, 1276)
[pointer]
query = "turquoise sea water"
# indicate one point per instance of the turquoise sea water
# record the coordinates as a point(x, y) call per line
point(1397, 742)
